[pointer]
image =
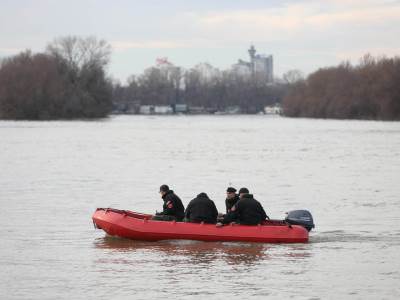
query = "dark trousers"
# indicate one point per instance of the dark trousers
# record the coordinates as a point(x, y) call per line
point(199, 221)
point(163, 218)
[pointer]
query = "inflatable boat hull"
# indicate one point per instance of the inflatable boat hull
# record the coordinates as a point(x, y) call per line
point(137, 226)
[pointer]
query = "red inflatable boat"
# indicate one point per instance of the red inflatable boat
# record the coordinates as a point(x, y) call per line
point(137, 226)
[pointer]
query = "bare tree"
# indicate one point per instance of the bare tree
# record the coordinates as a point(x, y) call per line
point(68, 81)
point(80, 53)
point(293, 76)
point(367, 91)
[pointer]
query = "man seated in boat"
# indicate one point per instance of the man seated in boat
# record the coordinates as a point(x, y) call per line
point(231, 198)
point(201, 209)
point(243, 191)
point(172, 208)
point(247, 211)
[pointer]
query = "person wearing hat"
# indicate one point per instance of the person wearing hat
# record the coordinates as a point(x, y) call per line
point(247, 211)
point(231, 198)
point(243, 191)
point(172, 208)
point(201, 209)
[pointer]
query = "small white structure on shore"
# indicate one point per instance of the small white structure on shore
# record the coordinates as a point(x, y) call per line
point(155, 109)
point(273, 110)
point(146, 109)
point(163, 109)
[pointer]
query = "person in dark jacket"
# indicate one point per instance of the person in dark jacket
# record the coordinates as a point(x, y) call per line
point(247, 211)
point(172, 208)
point(201, 209)
point(231, 198)
point(243, 191)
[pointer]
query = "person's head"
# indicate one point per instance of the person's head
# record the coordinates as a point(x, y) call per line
point(164, 189)
point(243, 191)
point(230, 192)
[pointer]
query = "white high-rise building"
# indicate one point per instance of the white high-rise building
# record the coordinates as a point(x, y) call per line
point(260, 66)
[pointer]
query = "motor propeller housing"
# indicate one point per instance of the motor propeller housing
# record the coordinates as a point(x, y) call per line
point(300, 217)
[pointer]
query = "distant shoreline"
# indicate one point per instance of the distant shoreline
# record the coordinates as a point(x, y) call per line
point(112, 115)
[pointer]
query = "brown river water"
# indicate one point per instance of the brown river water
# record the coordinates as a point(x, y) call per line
point(53, 175)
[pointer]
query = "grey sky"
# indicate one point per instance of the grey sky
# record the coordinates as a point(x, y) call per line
point(301, 35)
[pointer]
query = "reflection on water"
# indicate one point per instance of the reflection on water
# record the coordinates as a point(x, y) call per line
point(205, 252)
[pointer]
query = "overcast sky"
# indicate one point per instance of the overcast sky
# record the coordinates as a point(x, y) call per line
point(301, 35)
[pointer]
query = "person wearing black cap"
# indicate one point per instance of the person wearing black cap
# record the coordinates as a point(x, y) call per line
point(247, 211)
point(243, 191)
point(231, 198)
point(201, 209)
point(172, 208)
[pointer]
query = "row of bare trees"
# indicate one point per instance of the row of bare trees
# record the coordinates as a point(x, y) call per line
point(370, 90)
point(66, 81)
point(201, 86)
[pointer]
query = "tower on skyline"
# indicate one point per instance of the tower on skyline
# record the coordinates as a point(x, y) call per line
point(260, 65)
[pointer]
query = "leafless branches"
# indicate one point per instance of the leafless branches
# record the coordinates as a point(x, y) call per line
point(67, 81)
point(370, 90)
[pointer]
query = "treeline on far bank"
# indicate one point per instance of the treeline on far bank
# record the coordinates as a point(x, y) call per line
point(202, 86)
point(66, 81)
point(370, 90)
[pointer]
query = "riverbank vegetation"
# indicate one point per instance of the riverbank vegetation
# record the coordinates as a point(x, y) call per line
point(370, 90)
point(66, 81)
point(202, 86)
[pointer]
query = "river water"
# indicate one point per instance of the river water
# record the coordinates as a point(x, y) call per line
point(53, 175)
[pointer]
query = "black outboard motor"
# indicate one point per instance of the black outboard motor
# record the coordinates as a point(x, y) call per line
point(300, 217)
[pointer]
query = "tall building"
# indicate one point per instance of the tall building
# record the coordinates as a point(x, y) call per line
point(260, 66)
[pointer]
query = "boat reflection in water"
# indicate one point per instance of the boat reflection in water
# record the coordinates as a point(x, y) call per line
point(203, 252)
